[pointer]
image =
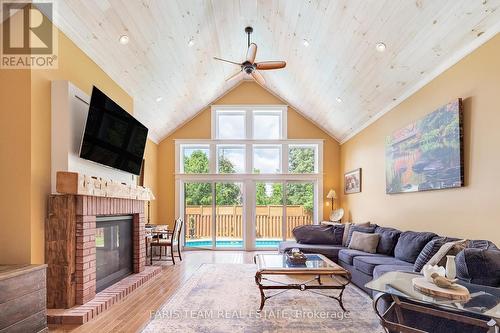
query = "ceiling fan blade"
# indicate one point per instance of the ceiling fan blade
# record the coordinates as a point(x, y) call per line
point(251, 53)
point(229, 61)
point(266, 65)
point(237, 75)
point(258, 77)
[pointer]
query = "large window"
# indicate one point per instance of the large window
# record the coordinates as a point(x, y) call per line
point(249, 185)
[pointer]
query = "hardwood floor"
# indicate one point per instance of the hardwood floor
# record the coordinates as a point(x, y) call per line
point(133, 313)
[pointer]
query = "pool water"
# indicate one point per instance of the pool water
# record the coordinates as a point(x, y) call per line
point(231, 243)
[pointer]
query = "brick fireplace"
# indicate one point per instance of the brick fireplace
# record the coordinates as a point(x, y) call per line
point(70, 249)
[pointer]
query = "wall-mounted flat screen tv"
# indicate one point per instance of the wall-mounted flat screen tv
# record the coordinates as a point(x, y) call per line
point(112, 136)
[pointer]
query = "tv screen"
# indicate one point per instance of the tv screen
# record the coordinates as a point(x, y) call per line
point(112, 136)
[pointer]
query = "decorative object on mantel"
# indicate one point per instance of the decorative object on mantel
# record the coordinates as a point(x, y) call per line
point(427, 154)
point(80, 184)
point(429, 270)
point(455, 292)
point(352, 181)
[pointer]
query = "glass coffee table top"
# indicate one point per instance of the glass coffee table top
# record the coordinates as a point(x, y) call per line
point(484, 300)
point(316, 263)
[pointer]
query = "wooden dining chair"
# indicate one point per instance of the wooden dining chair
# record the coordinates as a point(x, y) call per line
point(172, 240)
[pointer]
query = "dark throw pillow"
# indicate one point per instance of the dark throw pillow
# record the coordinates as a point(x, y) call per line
point(353, 228)
point(479, 266)
point(388, 239)
point(410, 244)
point(318, 234)
point(429, 250)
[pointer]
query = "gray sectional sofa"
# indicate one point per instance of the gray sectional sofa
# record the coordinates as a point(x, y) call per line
point(478, 263)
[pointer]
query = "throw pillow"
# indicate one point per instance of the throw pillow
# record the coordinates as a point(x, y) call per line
point(318, 234)
point(348, 227)
point(388, 239)
point(346, 233)
point(479, 266)
point(447, 249)
point(429, 250)
point(364, 242)
point(410, 244)
point(361, 228)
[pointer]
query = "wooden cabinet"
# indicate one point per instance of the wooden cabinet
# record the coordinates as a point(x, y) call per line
point(23, 298)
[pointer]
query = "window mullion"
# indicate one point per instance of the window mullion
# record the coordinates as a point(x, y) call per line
point(284, 158)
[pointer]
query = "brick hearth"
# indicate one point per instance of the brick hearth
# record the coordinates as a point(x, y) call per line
point(80, 314)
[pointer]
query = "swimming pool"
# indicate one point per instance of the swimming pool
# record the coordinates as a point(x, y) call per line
point(230, 243)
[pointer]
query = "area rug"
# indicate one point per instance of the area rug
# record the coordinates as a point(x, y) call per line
point(225, 298)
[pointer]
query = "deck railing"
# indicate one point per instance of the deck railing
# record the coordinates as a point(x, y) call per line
point(229, 221)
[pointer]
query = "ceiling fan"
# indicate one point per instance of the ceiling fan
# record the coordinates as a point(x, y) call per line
point(249, 66)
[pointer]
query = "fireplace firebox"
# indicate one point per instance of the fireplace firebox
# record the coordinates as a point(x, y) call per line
point(114, 249)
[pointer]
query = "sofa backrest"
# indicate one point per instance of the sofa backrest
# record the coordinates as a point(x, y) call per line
point(388, 239)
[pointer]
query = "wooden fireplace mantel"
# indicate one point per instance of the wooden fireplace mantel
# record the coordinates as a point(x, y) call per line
point(80, 184)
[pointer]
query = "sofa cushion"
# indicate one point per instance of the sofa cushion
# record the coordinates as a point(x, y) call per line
point(388, 239)
point(380, 270)
point(364, 242)
point(318, 234)
point(347, 255)
point(479, 266)
point(410, 244)
point(353, 228)
point(330, 251)
point(367, 264)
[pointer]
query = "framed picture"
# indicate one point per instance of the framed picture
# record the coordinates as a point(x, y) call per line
point(427, 154)
point(352, 181)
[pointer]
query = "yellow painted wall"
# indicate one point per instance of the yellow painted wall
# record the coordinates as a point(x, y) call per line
point(15, 166)
point(199, 128)
point(151, 178)
point(471, 212)
point(27, 209)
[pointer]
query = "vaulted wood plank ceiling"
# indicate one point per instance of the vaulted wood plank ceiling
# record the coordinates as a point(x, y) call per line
point(338, 80)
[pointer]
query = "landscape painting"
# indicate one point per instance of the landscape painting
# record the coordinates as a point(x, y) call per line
point(427, 154)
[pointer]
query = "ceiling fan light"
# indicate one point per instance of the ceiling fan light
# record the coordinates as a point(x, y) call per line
point(191, 42)
point(305, 42)
point(338, 99)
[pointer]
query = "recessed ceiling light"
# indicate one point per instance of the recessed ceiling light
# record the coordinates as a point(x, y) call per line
point(159, 99)
point(123, 39)
point(191, 42)
point(305, 42)
point(380, 47)
point(338, 99)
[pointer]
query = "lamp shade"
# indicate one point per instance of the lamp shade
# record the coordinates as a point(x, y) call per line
point(331, 194)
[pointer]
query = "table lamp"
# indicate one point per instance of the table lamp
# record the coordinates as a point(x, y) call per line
point(331, 195)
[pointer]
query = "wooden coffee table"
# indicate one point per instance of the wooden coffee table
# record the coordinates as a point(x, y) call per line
point(316, 266)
